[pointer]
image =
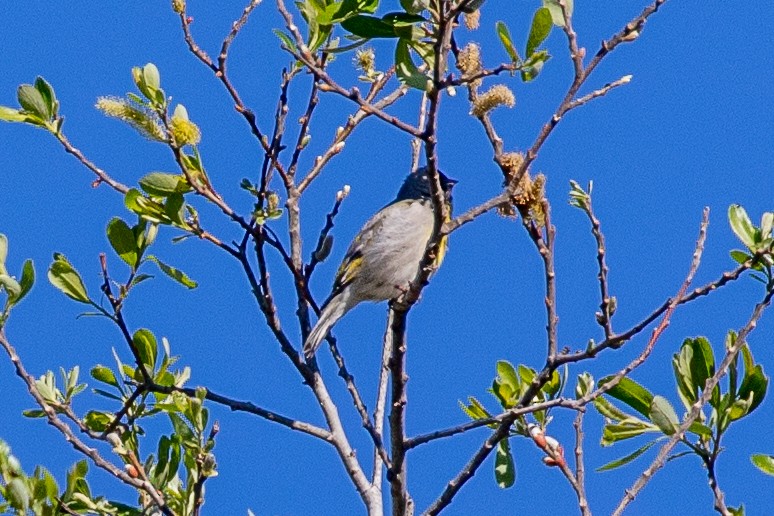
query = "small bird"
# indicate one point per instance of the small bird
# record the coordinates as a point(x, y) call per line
point(384, 257)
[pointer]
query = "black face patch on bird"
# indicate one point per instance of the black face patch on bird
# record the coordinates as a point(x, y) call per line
point(417, 185)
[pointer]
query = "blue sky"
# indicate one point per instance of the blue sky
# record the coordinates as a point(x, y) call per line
point(694, 128)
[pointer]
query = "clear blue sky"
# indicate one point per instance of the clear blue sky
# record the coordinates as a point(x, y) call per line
point(693, 129)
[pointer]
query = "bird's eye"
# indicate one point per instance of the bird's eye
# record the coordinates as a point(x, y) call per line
point(425, 179)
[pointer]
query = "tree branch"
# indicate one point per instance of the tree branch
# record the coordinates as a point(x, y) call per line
point(695, 411)
point(71, 438)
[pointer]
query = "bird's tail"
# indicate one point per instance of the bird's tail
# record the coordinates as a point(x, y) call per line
point(331, 312)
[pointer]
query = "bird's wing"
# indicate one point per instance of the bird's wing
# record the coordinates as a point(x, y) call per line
point(353, 259)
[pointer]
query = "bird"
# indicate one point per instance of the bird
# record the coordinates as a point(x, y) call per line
point(384, 256)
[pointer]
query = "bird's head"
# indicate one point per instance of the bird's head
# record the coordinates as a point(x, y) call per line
point(417, 185)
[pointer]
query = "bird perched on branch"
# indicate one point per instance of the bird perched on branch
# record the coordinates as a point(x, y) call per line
point(384, 257)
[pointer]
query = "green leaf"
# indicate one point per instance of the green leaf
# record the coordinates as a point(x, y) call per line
point(3, 251)
point(97, 421)
point(505, 38)
point(107, 394)
point(739, 408)
point(767, 224)
point(174, 209)
point(617, 463)
point(26, 281)
point(755, 384)
point(285, 39)
point(123, 240)
point(475, 410)
point(11, 286)
point(47, 92)
point(11, 115)
point(702, 362)
point(532, 67)
point(150, 75)
point(701, 430)
point(539, 31)
point(104, 374)
point(505, 469)
point(663, 415)
point(625, 430)
point(556, 10)
point(164, 185)
point(139, 279)
point(682, 371)
point(18, 495)
point(182, 429)
point(368, 27)
point(631, 393)
point(507, 375)
point(147, 347)
point(64, 277)
point(406, 70)
point(763, 462)
point(585, 385)
point(742, 226)
point(176, 274)
point(146, 208)
point(350, 8)
point(32, 102)
point(609, 410)
point(414, 6)
point(504, 393)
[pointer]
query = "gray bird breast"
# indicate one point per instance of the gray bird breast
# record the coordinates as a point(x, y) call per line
point(391, 258)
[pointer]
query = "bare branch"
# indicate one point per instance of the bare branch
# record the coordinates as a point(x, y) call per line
point(545, 246)
point(695, 411)
point(250, 408)
point(402, 503)
point(345, 130)
point(305, 56)
point(102, 176)
point(580, 470)
point(604, 90)
point(54, 420)
point(235, 28)
point(381, 400)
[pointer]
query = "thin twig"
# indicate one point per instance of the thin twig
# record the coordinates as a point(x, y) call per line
point(606, 303)
point(344, 131)
point(402, 503)
point(416, 143)
point(357, 400)
point(658, 330)
point(580, 469)
point(696, 408)
point(381, 400)
point(220, 73)
point(263, 295)
point(65, 430)
point(102, 176)
point(453, 487)
point(544, 241)
point(235, 28)
point(568, 103)
point(304, 55)
point(248, 407)
point(604, 90)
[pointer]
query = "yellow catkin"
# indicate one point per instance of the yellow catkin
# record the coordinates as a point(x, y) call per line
point(498, 95)
point(472, 20)
point(145, 122)
point(184, 131)
point(469, 60)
